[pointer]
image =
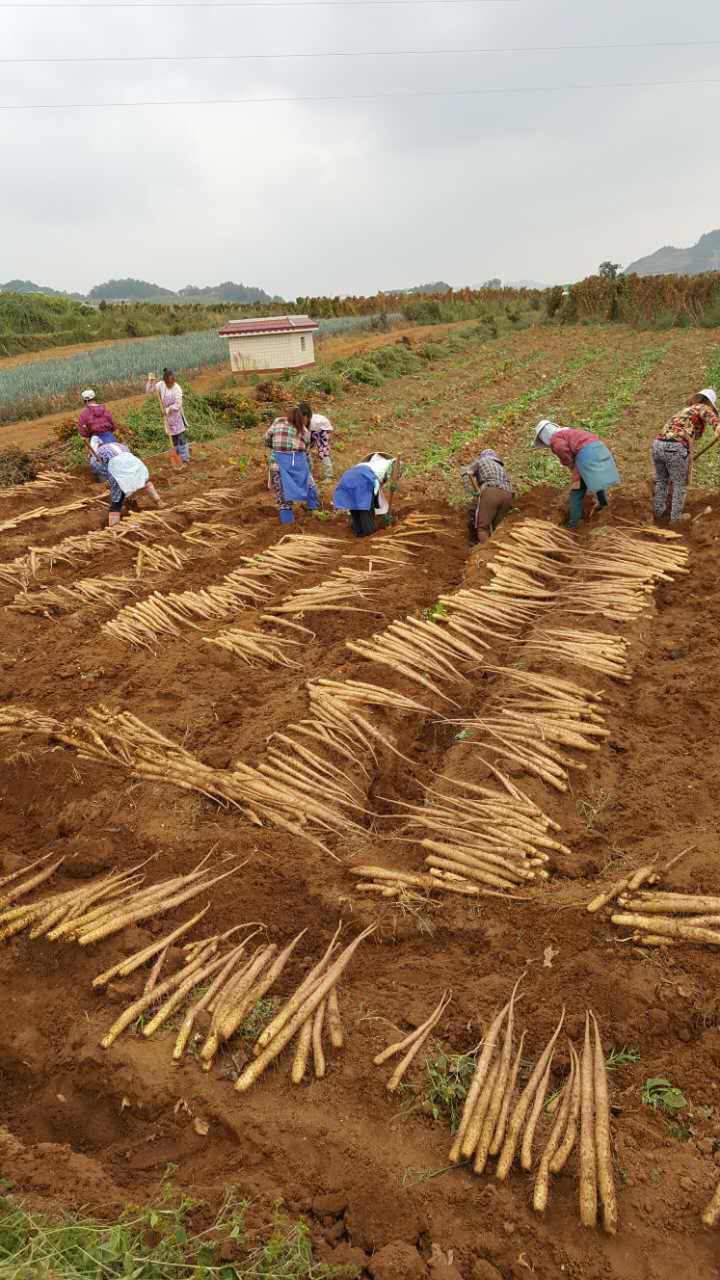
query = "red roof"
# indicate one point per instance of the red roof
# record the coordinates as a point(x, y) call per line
point(268, 324)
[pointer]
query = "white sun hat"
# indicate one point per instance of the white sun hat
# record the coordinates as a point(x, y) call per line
point(710, 394)
point(89, 394)
point(544, 432)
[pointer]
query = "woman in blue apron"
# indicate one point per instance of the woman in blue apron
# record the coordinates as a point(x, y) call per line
point(587, 456)
point(290, 476)
point(365, 490)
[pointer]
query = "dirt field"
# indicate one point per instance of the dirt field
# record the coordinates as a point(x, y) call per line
point(99, 1128)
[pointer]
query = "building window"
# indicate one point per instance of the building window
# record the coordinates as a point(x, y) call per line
point(302, 343)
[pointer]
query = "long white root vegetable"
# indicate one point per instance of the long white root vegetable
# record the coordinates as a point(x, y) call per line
point(603, 1151)
point(302, 1052)
point(588, 1159)
point(542, 1181)
point(569, 1138)
point(517, 1120)
point(318, 1023)
point(335, 1026)
point(417, 1042)
point(305, 1010)
point(478, 1079)
point(711, 1216)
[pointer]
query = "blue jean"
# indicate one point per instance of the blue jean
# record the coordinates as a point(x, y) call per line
point(577, 498)
point(181, 446)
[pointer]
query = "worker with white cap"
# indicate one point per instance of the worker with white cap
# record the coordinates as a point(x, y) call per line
point(95, 420)
point(588, 457)
point(672, 451)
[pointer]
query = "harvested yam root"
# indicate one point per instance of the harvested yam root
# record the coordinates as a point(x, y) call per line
point(227, 984)
point(624, 889)
point(144, 623)
point(496, 1122)
point(99, 908)
point(412, 1043)
point(309, 1011)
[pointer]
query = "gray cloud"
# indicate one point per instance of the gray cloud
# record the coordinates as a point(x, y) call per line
point(354, 195)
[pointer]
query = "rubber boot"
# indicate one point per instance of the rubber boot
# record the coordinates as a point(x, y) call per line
point(286, 516)
point(152, 493)
point(114, 518)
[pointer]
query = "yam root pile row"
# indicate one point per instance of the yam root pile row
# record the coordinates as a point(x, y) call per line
point(43, 513)
point(111, 589)
point(450, 649)
point(502, 1120)
point(78, 548)
point(167, 615)
point(44, 482)
point(482, 840)
point(217, 985)
point(96, 909)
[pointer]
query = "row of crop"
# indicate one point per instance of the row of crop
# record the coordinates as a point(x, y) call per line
point(644, 301)
point(40, 387)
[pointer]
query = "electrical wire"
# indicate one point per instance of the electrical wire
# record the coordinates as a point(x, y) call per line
point(362, 97)
point(363, 53)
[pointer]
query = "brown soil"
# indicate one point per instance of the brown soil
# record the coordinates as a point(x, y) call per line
point(99, 1128)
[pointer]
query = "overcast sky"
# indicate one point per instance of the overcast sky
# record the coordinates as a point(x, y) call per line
point(355, 195)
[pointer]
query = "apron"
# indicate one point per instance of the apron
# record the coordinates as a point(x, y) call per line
point(355, 490)
point(295, 475)
point(597, 466)
point(128, 472)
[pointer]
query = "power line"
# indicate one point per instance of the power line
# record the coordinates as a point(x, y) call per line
point(234, 4)
point(366, 53)
point(360, 97)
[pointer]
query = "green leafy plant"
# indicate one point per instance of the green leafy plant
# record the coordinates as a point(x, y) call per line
point(155, 1244)
point(618, 1058)
point(448, 1080)
point(661, 1094)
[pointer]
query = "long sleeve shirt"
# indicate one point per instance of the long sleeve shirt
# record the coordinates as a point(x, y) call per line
point(566, 445)
point(282, 437)
point(689, 425)
point(488, 471)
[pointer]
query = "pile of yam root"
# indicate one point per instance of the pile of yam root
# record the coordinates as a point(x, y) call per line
point(498, 1122)
point(219, 985)
point(659, 917)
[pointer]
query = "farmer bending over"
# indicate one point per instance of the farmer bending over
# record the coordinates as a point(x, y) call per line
point(487, 478)
point(587, 456)
point(290, 477)
point(366, 489)
point(126, 475)
point(320, 431)
point(95, 420)
point(673, 448)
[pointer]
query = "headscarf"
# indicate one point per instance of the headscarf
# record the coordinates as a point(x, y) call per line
point(490, 453)
point(544, 433)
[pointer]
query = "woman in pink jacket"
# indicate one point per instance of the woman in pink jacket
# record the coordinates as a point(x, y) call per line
point(587, 456)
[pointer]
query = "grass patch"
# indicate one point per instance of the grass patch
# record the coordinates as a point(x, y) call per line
point(156, 1244)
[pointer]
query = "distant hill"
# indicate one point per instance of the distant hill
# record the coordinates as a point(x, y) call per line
point(228, 291)
point(29, 286)
point(437, 286)
point(131, 290)
point(703, 256)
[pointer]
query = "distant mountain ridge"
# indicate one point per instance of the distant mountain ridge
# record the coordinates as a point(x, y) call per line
point(131, 290)
point(669, 261)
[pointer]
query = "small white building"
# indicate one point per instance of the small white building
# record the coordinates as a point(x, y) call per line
point(274, 342)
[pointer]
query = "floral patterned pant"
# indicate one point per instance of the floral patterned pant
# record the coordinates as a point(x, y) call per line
point(672, 467)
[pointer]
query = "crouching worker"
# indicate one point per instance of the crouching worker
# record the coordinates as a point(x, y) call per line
point(672, 451)
point(126, 474)
point(486, 476)
point(95, 420)
point(366, 490)
point(290, 476)
point(587, 456)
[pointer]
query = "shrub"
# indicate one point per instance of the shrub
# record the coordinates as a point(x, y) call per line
point(321, 381)
point(16, 467)
point(363, 371)
point(431, 351)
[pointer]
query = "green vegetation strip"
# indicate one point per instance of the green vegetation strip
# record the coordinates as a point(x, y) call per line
point(540, 466)
point(443, 456)
point(155, 1244)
